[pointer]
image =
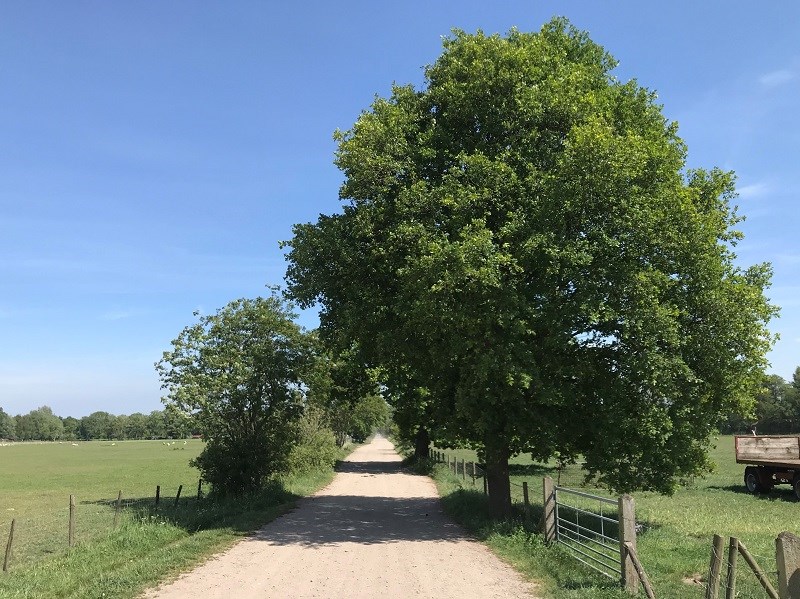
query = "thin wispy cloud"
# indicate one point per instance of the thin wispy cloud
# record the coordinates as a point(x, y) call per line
point(754, 190)
point(776, 78)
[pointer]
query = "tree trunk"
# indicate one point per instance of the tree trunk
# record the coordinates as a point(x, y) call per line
point(421, 443)
point(497, 479)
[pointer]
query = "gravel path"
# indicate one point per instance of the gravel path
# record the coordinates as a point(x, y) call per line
point(373, 532)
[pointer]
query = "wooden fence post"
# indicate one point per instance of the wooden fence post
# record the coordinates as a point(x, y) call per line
point(158, 493)
point(474, 473)
point(117, 509)
point(627, 534)
point(648, 588)
point(485, 484)
point(464, 469)
point(178, 496)
point(762, 578)
point(712, 590)
point(71, 520)
point(199, 488)
point(7, 559)
point(549, 515)
point(787, 554)
point(730, 581)
point(525, 500)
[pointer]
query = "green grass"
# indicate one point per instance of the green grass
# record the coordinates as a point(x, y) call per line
point(675, 542)
point(149, 544)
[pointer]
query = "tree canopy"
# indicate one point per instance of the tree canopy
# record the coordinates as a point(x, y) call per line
point(522, 238)
point(238, 373)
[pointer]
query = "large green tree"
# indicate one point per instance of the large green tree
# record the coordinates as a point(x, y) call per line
point(523, 235)
point(238, 374)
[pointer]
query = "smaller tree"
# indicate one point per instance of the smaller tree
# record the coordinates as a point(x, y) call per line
point(136, 426)
point(41, 424)
point(369, 413)
point(156, 425)
point(238, 374)
point(71, 428)
point(97, 425)
point(344, 387)
point(8, 426)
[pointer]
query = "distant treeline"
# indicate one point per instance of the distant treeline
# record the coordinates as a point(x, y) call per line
point(776, 410)
point(42, 425)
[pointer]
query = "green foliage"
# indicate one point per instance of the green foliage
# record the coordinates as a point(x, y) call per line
point(316, 446)
point(369, 413)
point(97, 425)
point(521, 238)
point(8, 426)
point(776, 409)
point(39, 424)
point(237, 373)
point(346, 390)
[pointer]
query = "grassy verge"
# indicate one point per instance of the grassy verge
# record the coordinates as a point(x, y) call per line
point(675, 539)
point(153, 543)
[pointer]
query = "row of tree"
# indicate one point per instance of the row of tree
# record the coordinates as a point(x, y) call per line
point(42, 424)
point(776, 409)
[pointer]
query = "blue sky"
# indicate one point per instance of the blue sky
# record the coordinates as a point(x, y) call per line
point(152, 154)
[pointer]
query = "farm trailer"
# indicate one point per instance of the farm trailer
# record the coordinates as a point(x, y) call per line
point(772, 460)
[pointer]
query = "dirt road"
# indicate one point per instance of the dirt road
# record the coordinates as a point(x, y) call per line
point(373, 532)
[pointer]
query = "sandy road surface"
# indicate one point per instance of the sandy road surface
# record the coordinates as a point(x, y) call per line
point(373, 532)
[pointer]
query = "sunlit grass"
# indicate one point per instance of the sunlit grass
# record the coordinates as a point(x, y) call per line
point(675, 542)
point(150, 542)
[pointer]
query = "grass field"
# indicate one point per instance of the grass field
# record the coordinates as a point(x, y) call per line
point(149, 543)
point(38, 478)
point(674, 543)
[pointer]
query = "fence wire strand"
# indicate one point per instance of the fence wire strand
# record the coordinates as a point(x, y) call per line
point(744, 584)
point(42, 531)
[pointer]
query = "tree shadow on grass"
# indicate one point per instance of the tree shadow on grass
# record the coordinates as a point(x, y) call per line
point(470, 508)
point(537, 470)
point(776, 494)
point(322, 519)
point(240, 514)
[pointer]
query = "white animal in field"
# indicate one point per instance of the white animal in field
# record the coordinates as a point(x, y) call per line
point(74, 444)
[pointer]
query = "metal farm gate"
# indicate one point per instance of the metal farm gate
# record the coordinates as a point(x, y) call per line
point(588, 526)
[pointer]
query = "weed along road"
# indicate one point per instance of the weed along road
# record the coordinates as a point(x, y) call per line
point(373, 532)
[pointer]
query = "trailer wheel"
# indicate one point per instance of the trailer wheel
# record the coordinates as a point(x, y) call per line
point(752, 481)
point(796, 485)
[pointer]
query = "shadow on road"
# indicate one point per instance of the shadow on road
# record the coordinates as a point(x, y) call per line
point(369, 467)
point(334, 519)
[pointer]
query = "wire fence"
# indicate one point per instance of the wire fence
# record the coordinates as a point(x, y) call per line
point(735, 572)
point(41, 530)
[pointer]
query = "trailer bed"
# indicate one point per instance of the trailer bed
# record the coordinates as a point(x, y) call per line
point(768, 450)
